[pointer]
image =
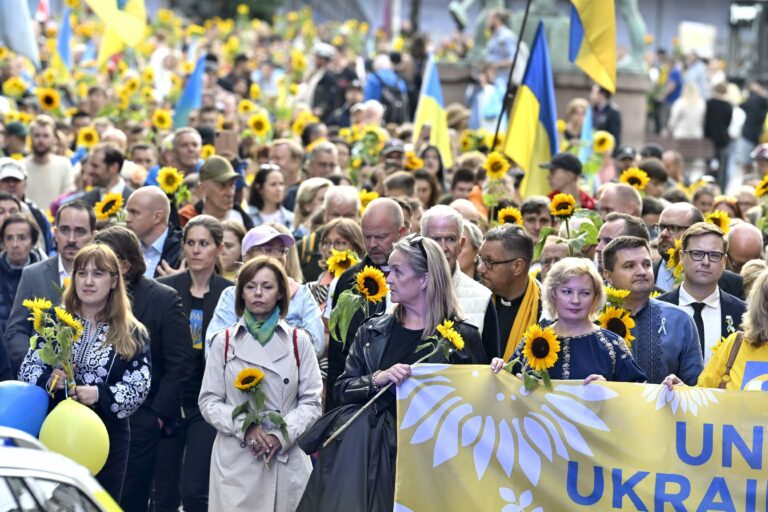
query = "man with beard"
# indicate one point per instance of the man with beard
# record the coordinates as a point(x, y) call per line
point(665, 337)
point(49, 174)
point(105, 163)
point(673, 222)
point(75, 223)
point(382, 226)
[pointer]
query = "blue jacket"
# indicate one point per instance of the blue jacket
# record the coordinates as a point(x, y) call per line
point(373, 85)
point(303, 313)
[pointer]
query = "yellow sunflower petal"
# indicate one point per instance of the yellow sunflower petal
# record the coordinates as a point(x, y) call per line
point(510, 215)
point(371, 284)
point(541, 347)
point(496, 166)
point(108, 206)
point(169, 179)
point(562, 206)
point(720, 219)
point(248, 378)
point(634, 177)
point(619, 321)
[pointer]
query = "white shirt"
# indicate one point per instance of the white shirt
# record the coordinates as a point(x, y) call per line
point(117, 189)
point(63, 274)
point(711, 316)
point(665, 278)
point(152, 254)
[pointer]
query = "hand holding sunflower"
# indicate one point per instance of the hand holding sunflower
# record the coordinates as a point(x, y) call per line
point(249, 382)
point(540, 350)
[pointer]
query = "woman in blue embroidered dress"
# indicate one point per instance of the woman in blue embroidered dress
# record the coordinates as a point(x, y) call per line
point(572, 295)
point(112, 358)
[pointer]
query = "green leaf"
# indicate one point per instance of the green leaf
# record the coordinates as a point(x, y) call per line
point(240, 409)
point(546, 379)
point(251, 419)
point(543, 234)
point(584, 213)
point(33, 342)
point(279, 422)
point(259, 398)
point(341, 315)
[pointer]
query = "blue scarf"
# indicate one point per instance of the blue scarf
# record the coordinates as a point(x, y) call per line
point(262, 330)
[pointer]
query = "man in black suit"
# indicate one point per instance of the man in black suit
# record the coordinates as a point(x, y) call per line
point(147, 214)
point(159, 308)
point(75, 223)
point(105, 164)
point(715, 312)
point(383, 225)
point(673, 222)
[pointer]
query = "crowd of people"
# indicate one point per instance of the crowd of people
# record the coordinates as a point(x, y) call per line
point(205, 255)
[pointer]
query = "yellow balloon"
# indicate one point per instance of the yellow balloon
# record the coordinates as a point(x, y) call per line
point(75, 431)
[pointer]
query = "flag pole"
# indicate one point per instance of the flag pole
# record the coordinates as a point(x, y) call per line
point(509, 95)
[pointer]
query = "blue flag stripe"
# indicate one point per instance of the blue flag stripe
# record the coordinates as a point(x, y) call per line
point(576, 37)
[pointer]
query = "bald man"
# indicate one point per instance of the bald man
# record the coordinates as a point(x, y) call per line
point(745, 243)
point(383, 225)
point(620, 197)
point(466, 209)
point(146, 214)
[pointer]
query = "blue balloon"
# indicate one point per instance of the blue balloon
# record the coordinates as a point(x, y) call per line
point(22, 406)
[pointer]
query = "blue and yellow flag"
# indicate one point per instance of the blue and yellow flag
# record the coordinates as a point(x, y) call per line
point(63, 57)
point(431, 111)
point(124, 27)
point(532, 135)
point(593, 40)
point(191, 96)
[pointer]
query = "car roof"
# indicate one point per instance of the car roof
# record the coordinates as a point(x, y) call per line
point(43, 461)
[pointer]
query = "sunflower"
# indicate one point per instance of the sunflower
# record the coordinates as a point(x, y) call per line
point(148, 75)
point(207, 151)
point(302, 120)
point(131, 85)
point(603, 142)
point(412, 161)
point(760, 189)
point(298, 61)
point(243, 9)
point(366, 197)
point(248, 378)
point(510, 215)
point(108, 206)
point(561, 126)
point(312, 145)
point(341, 261)
point(169, 179)
point(87, 137)
point(619, 321)
point(37, 320)
point(615, 295)
point(346, 135)
point(371, 284)
point(4, 52)
point(562, 206)
point(492, 142)
point(293, 89)
point(675, 262)
point(246, 107)
point(635, 177)
point(187, 68)
point(162, 120)
point(69, 321)
point(447, 331)
point(259, 124)
point(16, 156)
point(37, 303)
point(14, 87)
point(467, 141)
point(541, 347)
point(49, 98)
point(720, 219)
point(255, 91)
point(496, 166)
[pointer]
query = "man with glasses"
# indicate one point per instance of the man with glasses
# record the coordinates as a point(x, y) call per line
point(444, 225)
point(505, 262)
point(75, 224)
point(322, 161)
point(673, 221)
point(716, 313)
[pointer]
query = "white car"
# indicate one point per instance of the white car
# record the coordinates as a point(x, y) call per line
point(33, 479)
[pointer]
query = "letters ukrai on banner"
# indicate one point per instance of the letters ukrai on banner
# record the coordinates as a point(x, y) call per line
point(472, 440)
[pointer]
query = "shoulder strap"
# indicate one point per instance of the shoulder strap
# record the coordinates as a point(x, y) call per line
point(731, 359)
point(226, 345)
point(296, 348)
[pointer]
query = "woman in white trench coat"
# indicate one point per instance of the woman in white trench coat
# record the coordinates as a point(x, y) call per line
point(241, 477)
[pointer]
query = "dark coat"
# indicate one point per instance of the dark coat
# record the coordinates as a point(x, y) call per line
point(9, 282)
point(608, 119)
point(171, 248)
point(716, 121)
point(5, 363)
point(182, 283)
point(159, 308)
point(730, 306)
point(729, 282)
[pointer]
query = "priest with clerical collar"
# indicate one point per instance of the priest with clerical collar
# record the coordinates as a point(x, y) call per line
point(505, 262)
point(665, 337)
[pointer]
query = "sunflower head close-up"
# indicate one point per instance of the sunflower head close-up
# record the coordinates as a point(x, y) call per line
point(496, 166)
point(510, 215)
point(49, 98)
point(259, 124)
point(720, 219)
point(371, 284)
point(635, 177)
point(248, 378)
point(87, 137)
point(762, 188)
point(169, 179)
point(162, 119)
point(603, 142)
point(108, 206)
point(562, 206)
point(615, 295)
point(541, 347)
point(341, 261)
point(619, 321)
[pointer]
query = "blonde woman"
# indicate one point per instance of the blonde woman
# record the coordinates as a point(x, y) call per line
point(572, 295)
point(309, 197)
point(739, 361)
point(112, 370)
point(686, 119)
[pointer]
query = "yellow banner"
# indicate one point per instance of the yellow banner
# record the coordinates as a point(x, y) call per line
point(470, 440)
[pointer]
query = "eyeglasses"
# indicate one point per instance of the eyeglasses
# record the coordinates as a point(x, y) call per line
point(489, 264)
point(672, 228)
point(714, 256)
point(339, 245)
point(268, 250)
point(415, 240)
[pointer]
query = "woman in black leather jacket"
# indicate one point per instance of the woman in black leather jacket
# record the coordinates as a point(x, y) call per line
point(363, 458)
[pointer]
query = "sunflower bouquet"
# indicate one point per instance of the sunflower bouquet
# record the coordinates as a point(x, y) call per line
point(55, 336)
point(171, 181)
point(614, 317)
point(540, 351)
point(110, 209)
point(446, 340)
point(370, 286)
point(249, 381)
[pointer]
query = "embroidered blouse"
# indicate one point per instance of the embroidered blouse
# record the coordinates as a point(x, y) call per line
point(123, 384)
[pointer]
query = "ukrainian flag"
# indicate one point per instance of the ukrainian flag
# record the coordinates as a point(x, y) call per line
point(532, 135)
point(63, 57)
point(593, 40)
point(431, 111)
point(124, 27)
point(191, 96)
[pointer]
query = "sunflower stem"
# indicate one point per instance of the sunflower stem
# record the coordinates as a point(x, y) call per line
point(568, 234)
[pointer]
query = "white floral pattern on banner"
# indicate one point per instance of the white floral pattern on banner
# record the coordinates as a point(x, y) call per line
point(683, 398)
point(515, 503)
point(522, 439)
